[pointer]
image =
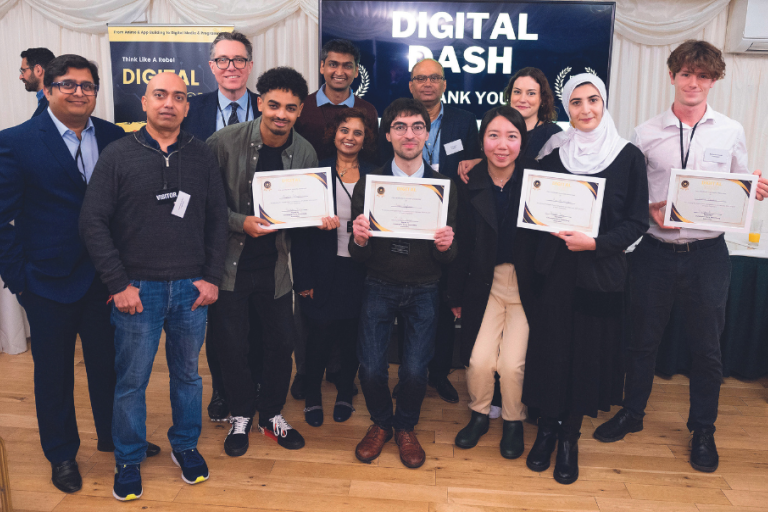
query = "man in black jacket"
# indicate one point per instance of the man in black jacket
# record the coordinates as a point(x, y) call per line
point(231, 62)
point(154, 221)
point(403, 277)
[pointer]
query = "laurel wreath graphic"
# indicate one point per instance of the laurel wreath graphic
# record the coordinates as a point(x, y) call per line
point(365, 81)
point(559, 82)
point(590, 71)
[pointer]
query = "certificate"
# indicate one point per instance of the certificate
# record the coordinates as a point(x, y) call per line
point(553, 202)
point(294, 198)
point(406, 207)
point(713, 201)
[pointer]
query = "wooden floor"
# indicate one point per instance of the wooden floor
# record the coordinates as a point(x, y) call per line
point(648, 471)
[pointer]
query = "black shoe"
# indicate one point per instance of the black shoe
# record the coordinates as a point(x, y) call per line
point(297, 388)
point(152, 449)
point(617, 427)
point(512, 445)
point(342, 410)
point(445, 390)
point(395, 390)
point(282, 433)
point(704, 452)
point(567, 462)
point(66, 477)
point(236, 443)
point(475, 429)
point(218, 410)
point(314, 415)
point(541, 452)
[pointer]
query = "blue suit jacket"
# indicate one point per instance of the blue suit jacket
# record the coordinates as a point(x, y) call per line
point(201, 120)
point(457, 124)
point(42, 190)
point(42, 106)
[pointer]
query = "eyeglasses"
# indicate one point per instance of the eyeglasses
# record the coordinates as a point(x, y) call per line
point(402, 128)
point(432, 78)
point(70, 86)
point(22, 70)
point(223, 62)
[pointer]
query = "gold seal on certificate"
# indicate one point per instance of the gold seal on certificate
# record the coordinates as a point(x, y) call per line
point(553, 202)
point(713, 201)
point(294, 198)
point(406, 207)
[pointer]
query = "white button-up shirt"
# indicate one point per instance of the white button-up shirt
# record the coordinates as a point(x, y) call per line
point(659, 140)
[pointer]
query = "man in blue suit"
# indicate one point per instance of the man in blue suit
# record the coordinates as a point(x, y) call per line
point(231, 62)
point(31, 72)
point(45, 165)
point(452, 138)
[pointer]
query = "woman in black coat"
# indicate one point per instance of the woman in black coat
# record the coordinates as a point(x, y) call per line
point(330, 283)
point(483, 287)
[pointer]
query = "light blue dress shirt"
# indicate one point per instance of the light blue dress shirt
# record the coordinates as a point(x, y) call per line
point(396, 171)
point(226, 110)
point(89, 148)
point(433, 142)
point(322, 99)
point(40, 95)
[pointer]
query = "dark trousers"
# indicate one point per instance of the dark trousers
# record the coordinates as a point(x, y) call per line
point(229, 319)
point(54, 328)
point(254, 356)
point(445, 337)
point(698, 283)
point(417, 306)
point(322, 336)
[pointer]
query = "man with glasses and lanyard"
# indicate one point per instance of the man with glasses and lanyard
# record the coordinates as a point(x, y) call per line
point(452, 138)
point(231, 62)
point(45, 166)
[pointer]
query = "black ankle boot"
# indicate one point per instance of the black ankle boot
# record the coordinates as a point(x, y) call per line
point(567, 461)
point(475, 429)
point(541, 451)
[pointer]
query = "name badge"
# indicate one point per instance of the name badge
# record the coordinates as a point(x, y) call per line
point(399, 247)
point(349, 226)
point(453, 147)
point(720, 156)
point(166, 196)
point(180, 206)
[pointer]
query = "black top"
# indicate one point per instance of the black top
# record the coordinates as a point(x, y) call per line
point(261, 252)
point(507, 204)
point(538, 137)
point(156, 145)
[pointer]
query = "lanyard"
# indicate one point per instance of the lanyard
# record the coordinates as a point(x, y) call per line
point(341, 183)
point(247, 110)
point(79, 160)
point(684, 156)
point(437, 136)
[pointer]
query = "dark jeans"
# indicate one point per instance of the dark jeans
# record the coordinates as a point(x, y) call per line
point(254, 356)
point(322, 335)
point(229, 320)
point(417, 306)
point(445, 339)
point(698, 282)
point(54, 328)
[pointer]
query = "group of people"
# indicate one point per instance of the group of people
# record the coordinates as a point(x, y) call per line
point(116, 237)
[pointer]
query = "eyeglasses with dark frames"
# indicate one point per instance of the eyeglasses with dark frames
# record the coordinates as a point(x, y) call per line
point(432, 78)
point(70, 86)
point(223, 62)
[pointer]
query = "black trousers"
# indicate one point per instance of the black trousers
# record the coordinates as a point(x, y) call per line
point(54, 328)
point(229, 322)
point(322, 335)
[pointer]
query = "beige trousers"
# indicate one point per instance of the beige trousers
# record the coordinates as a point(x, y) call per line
point(500, 347)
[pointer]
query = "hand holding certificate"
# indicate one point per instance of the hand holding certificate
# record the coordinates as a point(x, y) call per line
point(294, 198)
point(713, 201)
point(556, 202)
point(406, 207)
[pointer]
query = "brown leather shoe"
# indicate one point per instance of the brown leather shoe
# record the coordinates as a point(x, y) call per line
point(370, 447)
point(411, 453)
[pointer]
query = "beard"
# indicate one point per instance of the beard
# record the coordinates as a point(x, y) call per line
point(32, 84)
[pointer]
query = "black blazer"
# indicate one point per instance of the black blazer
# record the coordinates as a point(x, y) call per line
point(42, 106)
point(457, 124)
point(42, 190)
point(203, 109)
point(314, 250)
point(470, 276)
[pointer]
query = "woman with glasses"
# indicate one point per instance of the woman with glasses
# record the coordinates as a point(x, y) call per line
point(573, 364)
point(329, 282)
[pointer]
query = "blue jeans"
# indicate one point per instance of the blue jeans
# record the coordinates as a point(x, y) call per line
point(417, 306)
point(167, 305)
point(698, 282)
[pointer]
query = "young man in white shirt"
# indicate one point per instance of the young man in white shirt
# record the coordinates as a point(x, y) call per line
point(690, 268)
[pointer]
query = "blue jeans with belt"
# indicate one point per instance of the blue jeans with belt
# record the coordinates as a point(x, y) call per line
point(167, 305)
point(417, 306)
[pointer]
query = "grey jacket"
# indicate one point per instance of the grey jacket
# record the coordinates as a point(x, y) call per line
point(237, 149)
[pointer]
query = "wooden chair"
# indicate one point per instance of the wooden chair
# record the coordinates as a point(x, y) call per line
point(5, 480)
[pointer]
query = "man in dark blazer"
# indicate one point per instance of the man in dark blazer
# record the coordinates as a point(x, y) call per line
point(231, 62)
point(45, 165)
point(452, 138)
point(31, 72)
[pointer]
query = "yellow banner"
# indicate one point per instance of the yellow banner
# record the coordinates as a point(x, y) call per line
point(171, 33)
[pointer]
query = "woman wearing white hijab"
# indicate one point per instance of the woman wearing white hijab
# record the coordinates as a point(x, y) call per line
point(573, 364)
